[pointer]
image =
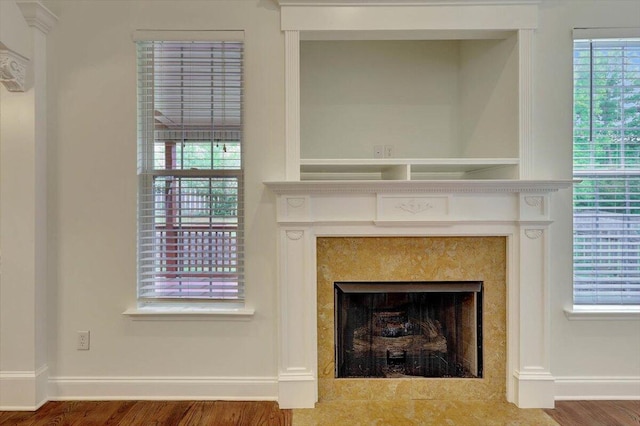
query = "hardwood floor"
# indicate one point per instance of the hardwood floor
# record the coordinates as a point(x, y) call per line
point(165, 413)
point(225, 413)
point(596, 413)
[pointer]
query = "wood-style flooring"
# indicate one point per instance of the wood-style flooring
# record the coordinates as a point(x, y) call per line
point(596, 413)
point(223, 413)
point(147, 413)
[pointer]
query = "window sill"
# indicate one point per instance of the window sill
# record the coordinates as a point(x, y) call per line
point(188, 313)
point(602, 313)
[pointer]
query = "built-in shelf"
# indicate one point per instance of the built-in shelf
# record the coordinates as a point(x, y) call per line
point(400, 168)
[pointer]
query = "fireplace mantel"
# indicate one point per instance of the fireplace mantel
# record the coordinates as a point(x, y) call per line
point(418, 186)
point(515, 209)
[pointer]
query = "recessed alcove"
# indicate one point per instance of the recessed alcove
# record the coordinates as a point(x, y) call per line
point(452, 100)
point(420, 90)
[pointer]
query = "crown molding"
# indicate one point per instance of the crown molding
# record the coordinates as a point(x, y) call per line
point(37, 15)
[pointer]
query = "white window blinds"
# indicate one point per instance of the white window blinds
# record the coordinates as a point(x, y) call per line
point(190, 189)
point(606, 157)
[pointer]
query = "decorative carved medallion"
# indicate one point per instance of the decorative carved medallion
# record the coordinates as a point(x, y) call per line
point(13, 70)
point(414, 207)
point(294, 235)
point(295, 202)
point(533, 234)
point(533, 201)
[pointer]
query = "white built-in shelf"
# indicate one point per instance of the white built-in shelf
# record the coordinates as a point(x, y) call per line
point(399, 168)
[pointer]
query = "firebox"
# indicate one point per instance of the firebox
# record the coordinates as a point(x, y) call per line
point(407, 329)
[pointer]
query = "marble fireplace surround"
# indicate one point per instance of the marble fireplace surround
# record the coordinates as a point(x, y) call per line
point(414, 259)
point(517, 211)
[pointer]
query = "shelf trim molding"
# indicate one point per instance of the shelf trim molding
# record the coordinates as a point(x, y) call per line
point(398, 168)
point(407, 161)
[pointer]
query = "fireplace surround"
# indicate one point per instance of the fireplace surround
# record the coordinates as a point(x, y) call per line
point(474, 261)
point(513, 211)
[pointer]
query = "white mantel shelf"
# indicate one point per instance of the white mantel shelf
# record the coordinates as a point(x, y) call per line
point(427, 186)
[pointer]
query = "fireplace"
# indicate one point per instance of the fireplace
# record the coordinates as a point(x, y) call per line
point(494, 232)
point(408, 329)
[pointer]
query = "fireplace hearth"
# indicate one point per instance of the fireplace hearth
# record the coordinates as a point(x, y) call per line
point(408, 329)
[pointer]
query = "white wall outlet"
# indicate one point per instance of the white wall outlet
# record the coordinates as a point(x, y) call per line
point(378, 151)
point(83, 340)
point(388, 151)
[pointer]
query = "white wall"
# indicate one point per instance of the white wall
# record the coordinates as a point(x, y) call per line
point(14, 31)
point(489, 98)
point(358, 94)
point(91, 154)
point(582, 351)
point(426, 98)
point(92, 187)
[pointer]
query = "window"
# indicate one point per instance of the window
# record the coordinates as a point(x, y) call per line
point(606, 157)
point(190, 174)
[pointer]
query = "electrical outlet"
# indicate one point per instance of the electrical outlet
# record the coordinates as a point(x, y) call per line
point(388, 151)
point(83, 340)
point(378, 151)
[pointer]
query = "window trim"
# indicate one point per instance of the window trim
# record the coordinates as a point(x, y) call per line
point(603, 312)
point(189, 312)
point(599, 311)
point(194, 308)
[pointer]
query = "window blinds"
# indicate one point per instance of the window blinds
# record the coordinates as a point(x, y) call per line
point(190, 195)
point(606, 158)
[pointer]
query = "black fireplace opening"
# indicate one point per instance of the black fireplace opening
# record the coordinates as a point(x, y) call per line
point(408, 329)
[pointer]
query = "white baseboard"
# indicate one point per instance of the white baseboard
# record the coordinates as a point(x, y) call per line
point(297, 390)
point(23, 390)
point(597, 388)
point(534, 389)
point(164, 388)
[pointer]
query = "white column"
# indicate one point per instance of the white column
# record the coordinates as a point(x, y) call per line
point(23, 233)
point(525, 89)
point(534, 384)
point(292, 104)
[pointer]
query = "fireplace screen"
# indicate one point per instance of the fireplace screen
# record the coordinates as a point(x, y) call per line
point(427, 329)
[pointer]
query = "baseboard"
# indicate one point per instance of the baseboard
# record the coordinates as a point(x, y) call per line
point(297, 390)
point(23, 390)
point(597, 388)
point(163, 388)
point(534, 389)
